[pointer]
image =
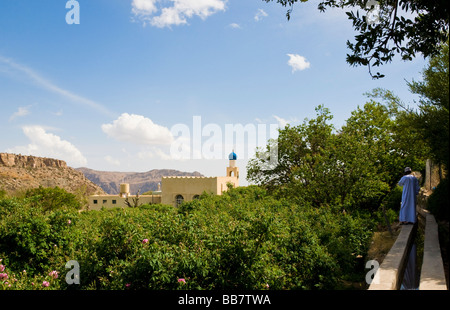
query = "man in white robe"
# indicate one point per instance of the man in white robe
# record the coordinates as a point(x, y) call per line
point(409, 197)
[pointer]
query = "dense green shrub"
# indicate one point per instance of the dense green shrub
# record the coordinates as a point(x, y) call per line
point(3, 193)
point(52, 198)
point(393, 199)
point(33, 239)
point(244, 239)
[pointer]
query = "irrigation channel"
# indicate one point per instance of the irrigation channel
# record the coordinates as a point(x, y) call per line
point(414, 259)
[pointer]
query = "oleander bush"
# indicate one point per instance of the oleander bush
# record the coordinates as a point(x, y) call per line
point(244, 239)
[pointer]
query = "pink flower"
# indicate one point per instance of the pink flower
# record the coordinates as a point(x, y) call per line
point(53, 274)
point(69, 221)
point(182, 280)
point(2, 267)
point(3, 276)
point(45, 284)
point(144, 241)
point(128, 285)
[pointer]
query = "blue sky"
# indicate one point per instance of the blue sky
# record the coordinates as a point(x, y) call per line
point(107, 93)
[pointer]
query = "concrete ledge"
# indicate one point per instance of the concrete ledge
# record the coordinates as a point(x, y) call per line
point(432, 276)
point(388, 275)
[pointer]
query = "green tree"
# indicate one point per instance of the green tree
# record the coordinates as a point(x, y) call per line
point(432, 121)
point(424, 132)
point(407, 138)
point(300, 150)
point(354, 167)
point(52, 198)
point(392, 31)
point(378, 147)
point(432, 118)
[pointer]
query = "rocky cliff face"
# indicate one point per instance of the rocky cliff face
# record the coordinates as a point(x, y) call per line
point(19, 172)
point(23, 161)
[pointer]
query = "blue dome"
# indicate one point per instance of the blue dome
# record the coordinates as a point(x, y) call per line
point(232, 156)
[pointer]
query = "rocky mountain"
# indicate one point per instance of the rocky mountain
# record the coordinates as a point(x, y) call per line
point(20, 172)
point(144, 181)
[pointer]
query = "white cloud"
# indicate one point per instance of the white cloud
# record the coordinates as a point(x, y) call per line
point(22, 111)
point(144, 7)
point(260, 14)
point(154, 153)
point(177, 14)
point(283, 122)
point(112, 161)
point(58, 113)
point(137, 129)
point(46, 144)
point(234, 26)
point(297, 62)
point(46, 84)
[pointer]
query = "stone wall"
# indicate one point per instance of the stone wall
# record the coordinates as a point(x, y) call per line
point(433, 175)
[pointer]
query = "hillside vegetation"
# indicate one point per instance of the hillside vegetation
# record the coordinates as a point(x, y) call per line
point(244, 239)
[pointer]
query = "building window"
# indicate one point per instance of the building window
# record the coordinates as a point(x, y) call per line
point(114, 201)
point(196, 197)
point(95, 201)
point(105, 201)
point(179, 200)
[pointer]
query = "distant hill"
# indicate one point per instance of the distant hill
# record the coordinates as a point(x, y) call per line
point(21, 172)
point(144, 181)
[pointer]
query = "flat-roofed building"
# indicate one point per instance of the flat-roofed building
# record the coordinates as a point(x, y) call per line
point(175, 189)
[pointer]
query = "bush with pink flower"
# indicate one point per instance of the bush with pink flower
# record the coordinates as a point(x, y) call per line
point(244, 239)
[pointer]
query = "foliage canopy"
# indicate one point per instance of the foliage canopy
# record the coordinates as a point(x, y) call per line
point(353, 167)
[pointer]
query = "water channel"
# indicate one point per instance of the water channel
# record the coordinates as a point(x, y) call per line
point(411, 274)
